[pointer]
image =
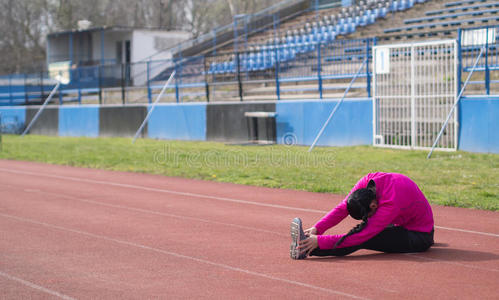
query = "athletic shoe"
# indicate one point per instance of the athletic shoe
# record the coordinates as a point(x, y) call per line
point(297, 235)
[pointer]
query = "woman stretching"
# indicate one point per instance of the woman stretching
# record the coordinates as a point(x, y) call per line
point(396, 218)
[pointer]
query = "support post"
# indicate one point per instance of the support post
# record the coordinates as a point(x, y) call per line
point(319, 77)
point(239, 82)
point(487, 70)
point(153, 106)
point(41, 109)
point(149, 98)
point(176, 83)
point(368, 75)
point(335, 108)
point(99, 82)
point(206, 86)
point(122, 83)
point(277, 70)
point(78, 71)
point(455, 104)
point(459, 59)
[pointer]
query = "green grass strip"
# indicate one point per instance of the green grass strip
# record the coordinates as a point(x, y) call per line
point(450, 178)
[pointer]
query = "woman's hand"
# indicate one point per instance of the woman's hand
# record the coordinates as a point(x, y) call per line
point(310, 231)
point(308, 245)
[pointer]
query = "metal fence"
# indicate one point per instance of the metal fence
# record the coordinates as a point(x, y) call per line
point(265, 72)
point(471, 41)
point(272, 71)
point(415, 87)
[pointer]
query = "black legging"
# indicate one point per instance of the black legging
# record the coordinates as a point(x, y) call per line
point(393, 239)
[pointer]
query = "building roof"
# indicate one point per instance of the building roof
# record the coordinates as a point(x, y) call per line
point(106, 29)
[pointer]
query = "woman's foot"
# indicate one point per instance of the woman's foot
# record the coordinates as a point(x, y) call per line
point(297, 235)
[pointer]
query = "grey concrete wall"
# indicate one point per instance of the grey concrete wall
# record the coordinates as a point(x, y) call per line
point(47, 123)
point(227, 123)
point(121, 121)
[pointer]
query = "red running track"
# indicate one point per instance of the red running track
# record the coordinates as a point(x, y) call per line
point(81, 233)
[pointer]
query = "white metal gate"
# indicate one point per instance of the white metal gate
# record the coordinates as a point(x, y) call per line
point(414, 88)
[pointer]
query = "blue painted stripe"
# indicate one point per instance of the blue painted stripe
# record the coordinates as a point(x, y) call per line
point(479, 125)
point(184, 121)
point(79, 121)
point(302, 121)
point(13, 119)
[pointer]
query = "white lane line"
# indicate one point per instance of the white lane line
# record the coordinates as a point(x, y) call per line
point(138, 187)
point(450, 262)
point(467, 231)
point(152, 212)
point(35, 286)
point(199, 260)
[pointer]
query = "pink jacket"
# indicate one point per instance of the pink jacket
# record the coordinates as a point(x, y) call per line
point(400, 202)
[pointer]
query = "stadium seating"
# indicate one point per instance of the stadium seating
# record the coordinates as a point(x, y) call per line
point(305, 39)
point(462, 8)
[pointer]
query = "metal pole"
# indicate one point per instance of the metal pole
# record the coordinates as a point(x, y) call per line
point(99, 73)
point(459, 59)
point(487, 70)
point(336, 107)
point(455, 104)
point(368, 76)
point(319, 77)
point(78, 71)
point(277, 69)
point(176, 83)
point(239, 82)
point(206, 86)
point(149, 98)
point(153, 106)
point(122, 83)
point(41, 109)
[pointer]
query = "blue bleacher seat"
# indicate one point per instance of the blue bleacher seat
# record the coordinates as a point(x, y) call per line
point(403, 5)
point(371, 19)
point(383, 12)
point(394, 5)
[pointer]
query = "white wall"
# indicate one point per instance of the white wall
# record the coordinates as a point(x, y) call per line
point(149, 42)
point(148, 45)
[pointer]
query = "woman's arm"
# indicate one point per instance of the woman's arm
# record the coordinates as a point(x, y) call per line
point(340, 212)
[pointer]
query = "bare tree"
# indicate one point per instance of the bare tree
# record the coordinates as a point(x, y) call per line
point(25, 23)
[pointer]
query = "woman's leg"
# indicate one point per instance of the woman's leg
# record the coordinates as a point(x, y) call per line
point(396, 239)
point(393, 239)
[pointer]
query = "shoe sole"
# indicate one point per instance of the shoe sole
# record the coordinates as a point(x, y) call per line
point(296, 236)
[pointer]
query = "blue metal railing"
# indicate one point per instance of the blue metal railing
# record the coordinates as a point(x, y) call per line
point(471, 41)
point(304, 62)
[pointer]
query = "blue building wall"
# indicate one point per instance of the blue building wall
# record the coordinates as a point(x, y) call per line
point(13, 119)
point(302, 120)
point(185, 121)
point(479, 124)
point(79, 121)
